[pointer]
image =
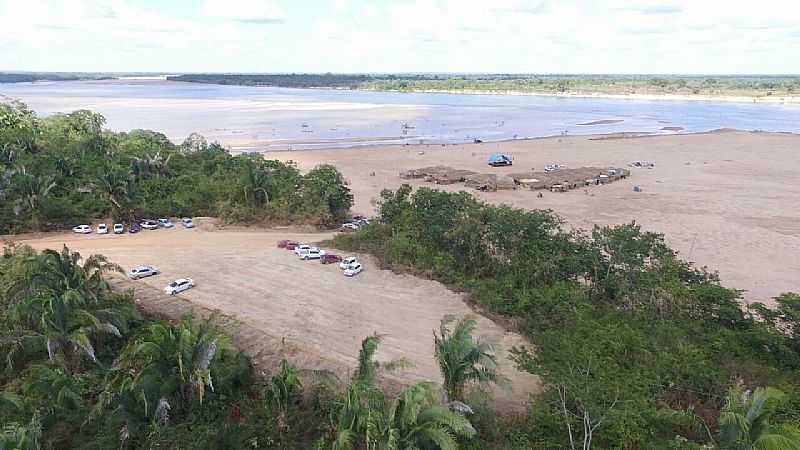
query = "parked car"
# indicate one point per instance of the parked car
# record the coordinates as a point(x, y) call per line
point(82, 229)
point(102, 229)
point(119, 228)
point(149, 224)
point(187, 222)
point(292, 245)
point(166, 223)
point(134, 228)
point(330, 258)
point(302, 248)
point(312, 253)
point(179, 285)
point(142, 271)
point(285, 242)
point(353, 270)
point(347, 262)
point(348, 227)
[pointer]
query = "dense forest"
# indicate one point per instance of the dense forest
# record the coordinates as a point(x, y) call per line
point(62, 170)
point(636, 348)
point(748, 86)
point(29, 77)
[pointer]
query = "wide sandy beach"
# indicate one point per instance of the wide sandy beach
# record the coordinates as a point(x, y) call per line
point(727, 200)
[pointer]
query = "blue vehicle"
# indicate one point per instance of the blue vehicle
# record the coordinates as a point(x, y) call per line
point(134, 228)
point(499, 160)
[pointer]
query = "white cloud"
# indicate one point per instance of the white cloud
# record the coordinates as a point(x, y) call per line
point(640, 36)
point(251, 11)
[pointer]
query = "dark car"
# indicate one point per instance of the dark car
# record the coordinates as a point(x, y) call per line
point(330, 259)
point(291, 245)
point(284, 243)
point(134, 228)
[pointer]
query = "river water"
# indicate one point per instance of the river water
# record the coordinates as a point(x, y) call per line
point(260, 118)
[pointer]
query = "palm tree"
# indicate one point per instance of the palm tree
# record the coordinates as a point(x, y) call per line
point(32, 189)
point(18, 437)
point(255, 181)
point(118, 185)
point(282, 392)
point(463, 359)
point(745, 422)
point(173, 364)
point(362, 401)
point(61, 389)
point(61, 272)
point(417, 420)
point(67, 304)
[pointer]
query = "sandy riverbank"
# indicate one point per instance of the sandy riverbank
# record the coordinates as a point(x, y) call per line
point(776, 99)
point(725, 200)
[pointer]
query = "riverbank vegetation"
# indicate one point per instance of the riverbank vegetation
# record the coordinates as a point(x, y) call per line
point(637, 348)
point(712, 86)
point(65, 169)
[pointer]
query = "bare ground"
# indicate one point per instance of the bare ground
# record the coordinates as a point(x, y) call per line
point(278, 306)
point(727, 200)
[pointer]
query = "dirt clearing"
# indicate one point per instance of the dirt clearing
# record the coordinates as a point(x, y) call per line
point(309, 311)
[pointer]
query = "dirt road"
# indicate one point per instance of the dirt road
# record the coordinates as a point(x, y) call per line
point(309, 311)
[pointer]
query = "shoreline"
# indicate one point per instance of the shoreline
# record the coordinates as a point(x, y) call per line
point(772, 100)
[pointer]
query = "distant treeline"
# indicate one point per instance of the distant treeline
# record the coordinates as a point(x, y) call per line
point(755, 86)
point(30, 77)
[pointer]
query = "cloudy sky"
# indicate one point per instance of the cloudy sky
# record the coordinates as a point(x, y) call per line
point(532, 36)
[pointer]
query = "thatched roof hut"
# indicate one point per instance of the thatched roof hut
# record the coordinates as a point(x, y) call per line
point(490, 182)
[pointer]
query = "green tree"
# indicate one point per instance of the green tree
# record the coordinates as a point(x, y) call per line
point(418, 420)
point(32, 190)
point(463, 359)
point(745, 422)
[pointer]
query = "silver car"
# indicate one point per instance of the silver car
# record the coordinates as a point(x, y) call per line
point(142, 272)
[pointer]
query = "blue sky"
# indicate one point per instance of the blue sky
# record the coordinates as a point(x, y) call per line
point(531, 36)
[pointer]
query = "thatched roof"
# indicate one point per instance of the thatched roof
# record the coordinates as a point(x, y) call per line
point(490, 182)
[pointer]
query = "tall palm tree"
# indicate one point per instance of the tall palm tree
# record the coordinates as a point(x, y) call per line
point(172, 365)
point(32, 189)
point(283, 391)
point(255, 182)
point(117, 186)
point(463, 359)
point(67, 304)
point(417, 420)
point(745, 422)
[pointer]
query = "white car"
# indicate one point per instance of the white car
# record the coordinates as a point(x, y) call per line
point(302, 249)
point(82, 229)
point(102, 229)
point(143, 271)
point(353, 270)
point(347, 262)
point(187, 222)
point(119, 228)
point(313, 253)
point(149, 224)
point(166, 223)
point(179, 285)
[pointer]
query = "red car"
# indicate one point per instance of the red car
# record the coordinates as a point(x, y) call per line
point(291, 245)
point(330, 259)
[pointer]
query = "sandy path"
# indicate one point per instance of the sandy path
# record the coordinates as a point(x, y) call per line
point(314, 309)
point(728, 201)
